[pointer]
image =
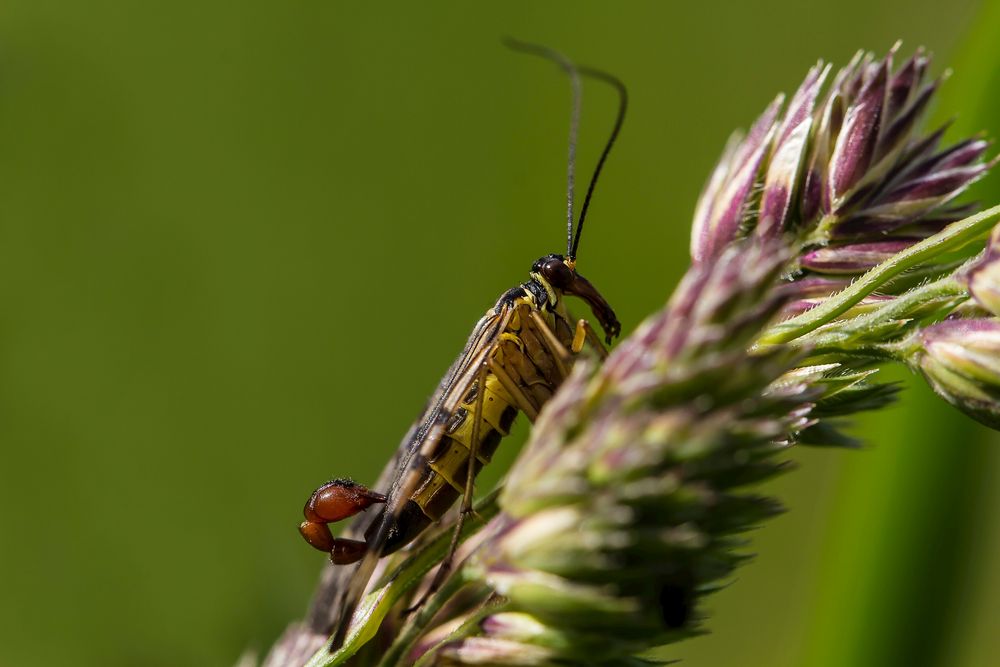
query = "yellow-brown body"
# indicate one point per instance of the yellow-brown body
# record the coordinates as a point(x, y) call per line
point(521, 373)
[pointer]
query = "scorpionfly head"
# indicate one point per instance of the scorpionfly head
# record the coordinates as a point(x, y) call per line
point(555, 270)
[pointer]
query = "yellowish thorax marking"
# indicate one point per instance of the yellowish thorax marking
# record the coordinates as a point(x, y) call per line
point(553, 297)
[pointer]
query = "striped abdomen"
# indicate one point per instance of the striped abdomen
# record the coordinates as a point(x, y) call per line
point(521, 356)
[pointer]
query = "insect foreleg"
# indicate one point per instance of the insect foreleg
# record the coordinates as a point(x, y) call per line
point(585, 332)
point(471, 468)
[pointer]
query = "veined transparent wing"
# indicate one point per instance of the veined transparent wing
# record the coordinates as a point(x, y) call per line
point(417, 446)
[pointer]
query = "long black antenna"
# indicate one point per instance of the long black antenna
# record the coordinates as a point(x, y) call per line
point(619, 120)
point(574, 124)
point(574, 72)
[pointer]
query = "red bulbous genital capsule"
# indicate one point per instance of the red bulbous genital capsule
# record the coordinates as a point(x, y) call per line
point(345, 552)
point(339, 499)
point(317, 535)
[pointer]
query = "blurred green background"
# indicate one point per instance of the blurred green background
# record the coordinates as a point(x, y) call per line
point(241, 241)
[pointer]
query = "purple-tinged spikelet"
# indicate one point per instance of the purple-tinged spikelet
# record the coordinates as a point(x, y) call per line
point(847, 177)
point(961, 360)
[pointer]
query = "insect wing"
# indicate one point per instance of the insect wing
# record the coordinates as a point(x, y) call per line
point(419, 445)
point(420, 441)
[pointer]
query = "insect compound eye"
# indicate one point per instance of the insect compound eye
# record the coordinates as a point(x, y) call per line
point(557, 273)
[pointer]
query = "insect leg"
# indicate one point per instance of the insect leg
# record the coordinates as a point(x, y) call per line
point(558, 351)
point(584, 332)
point(521, 401)
point(470, 478)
